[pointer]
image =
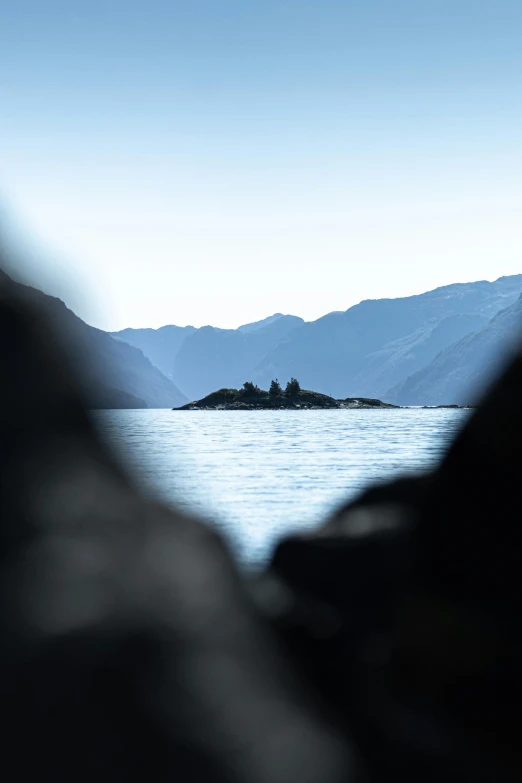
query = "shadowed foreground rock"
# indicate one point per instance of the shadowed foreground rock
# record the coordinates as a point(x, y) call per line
point(130, 647)
point(385, 647)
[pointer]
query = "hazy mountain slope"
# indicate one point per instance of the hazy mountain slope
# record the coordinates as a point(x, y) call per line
point(215, 357)
point(159, 345)
point(124, 367)
point(111, 373)
point(115, 399)
point(212, 358)
point(339, 353)
point(460, 372)
point(402, 357)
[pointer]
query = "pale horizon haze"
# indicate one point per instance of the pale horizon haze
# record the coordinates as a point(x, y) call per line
point(211, 162)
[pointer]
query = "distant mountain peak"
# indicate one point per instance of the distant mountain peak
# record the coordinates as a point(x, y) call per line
point(255, 325)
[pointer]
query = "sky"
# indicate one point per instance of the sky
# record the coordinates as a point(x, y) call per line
point(216, 161)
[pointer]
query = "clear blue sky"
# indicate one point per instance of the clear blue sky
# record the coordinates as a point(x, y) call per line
point(215, 161)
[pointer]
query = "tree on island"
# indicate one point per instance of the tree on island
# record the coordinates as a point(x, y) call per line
point(293, 388)
point(275, 389)
point(249, 389)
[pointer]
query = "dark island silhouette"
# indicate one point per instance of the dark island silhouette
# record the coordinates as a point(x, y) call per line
point(250, 397)
point(293, 397)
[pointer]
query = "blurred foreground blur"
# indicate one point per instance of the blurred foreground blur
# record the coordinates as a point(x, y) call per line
point(387, 645)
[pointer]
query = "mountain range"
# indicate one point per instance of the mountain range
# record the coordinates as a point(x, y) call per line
point(435, 348)
point(111, 373)
point(460, 372)
point(399, 350)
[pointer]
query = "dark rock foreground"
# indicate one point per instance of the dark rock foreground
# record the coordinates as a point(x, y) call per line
point(384, 645)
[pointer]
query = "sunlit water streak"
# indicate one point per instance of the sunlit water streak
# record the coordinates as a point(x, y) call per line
point(260, 475)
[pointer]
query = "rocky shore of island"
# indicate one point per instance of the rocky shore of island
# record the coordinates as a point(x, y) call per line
point(251, 397)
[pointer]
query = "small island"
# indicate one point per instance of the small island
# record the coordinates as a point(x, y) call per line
point(250, 397)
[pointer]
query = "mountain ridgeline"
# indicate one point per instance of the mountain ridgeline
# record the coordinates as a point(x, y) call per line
point(160, 346)
point(397, 350)
point(461, 371)
point(438, 348)
point(111, 373)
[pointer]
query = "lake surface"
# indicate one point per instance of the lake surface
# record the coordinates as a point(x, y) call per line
point(260, 475)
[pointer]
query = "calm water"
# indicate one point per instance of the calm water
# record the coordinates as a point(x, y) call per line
point(259, 475)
